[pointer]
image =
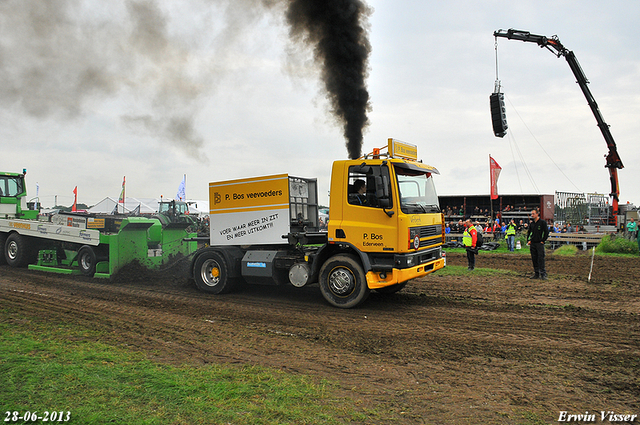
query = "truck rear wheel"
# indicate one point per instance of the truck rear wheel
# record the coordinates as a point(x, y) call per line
point(87, 260)
point(211, 273)
point(342, 282)
point(17, 250)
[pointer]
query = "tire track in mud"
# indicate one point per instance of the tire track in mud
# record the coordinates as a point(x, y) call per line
point(340, 328)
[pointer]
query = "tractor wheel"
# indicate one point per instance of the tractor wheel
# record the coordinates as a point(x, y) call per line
point(87, 260)
point(342, 282)
point(211, 273)
point(18, 250)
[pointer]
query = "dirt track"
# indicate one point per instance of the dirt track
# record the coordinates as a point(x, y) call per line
point(498, 349)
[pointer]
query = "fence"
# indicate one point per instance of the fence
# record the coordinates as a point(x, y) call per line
point(591, 209)
point(582, 240)
point(555, 240)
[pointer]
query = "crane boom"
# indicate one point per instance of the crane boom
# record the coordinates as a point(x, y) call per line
point(554, 45)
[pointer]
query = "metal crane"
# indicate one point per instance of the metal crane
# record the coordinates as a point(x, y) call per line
point(554, 46)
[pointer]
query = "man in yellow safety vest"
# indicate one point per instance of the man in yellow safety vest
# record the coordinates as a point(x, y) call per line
point(469, 240)
point(510, 235)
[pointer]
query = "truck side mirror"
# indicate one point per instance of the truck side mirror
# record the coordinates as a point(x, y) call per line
point(382, 191)
point(382, 187)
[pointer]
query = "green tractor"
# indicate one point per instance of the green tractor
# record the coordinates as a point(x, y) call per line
point(174, 214)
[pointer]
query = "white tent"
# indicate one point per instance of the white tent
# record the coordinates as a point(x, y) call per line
point(111, 206)
point(145, 205)
point(199, 208)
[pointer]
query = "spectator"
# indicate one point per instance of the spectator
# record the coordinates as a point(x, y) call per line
point(511, 235)
point(459, 229)
point(632, 229)
point(478, 227)
point(497, 231)
point(536, 237)
point(469, 240)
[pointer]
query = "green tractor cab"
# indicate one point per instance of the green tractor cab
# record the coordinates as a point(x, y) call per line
point(174, 214)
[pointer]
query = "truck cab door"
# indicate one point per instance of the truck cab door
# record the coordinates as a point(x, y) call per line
point(367, 220)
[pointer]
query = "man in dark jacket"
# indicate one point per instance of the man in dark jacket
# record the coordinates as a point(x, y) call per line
point(536, 237)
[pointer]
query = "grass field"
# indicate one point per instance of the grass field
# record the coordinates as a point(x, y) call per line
point(53, 367)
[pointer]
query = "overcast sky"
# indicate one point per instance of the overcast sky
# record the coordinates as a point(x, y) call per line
point(92, 91)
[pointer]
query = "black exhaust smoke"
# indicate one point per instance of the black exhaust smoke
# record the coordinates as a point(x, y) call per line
point(337, 32)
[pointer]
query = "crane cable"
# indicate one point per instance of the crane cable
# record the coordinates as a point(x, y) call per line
point(512, 138)
point(512, 144)
point(541, 147)
point(515, 164)
point(496, 87)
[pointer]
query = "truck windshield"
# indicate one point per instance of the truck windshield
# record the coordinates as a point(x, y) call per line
point(11, 186)
point(417, 192)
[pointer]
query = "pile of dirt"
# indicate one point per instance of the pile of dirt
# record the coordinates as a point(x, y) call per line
point(174, 273)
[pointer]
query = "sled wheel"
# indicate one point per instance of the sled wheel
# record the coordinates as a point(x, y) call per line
point(87, 260)
point(17, 250)
point(342, 282)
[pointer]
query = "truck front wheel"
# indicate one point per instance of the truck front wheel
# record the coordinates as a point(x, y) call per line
point(211, 273)
point(342, 282)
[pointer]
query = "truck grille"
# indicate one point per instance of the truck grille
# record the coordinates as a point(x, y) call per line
point(428, 232)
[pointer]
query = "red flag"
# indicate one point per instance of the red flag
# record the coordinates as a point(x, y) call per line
point(121, 199)
point(75, 199)
point(495, 173)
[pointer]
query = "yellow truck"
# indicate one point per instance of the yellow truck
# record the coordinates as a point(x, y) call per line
point(385, 228)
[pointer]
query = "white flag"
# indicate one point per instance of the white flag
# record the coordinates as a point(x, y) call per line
point(181, 195)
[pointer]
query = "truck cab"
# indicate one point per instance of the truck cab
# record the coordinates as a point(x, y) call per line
point(395, 225)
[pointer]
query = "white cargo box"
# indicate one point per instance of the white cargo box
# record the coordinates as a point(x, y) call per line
point(261, 210)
